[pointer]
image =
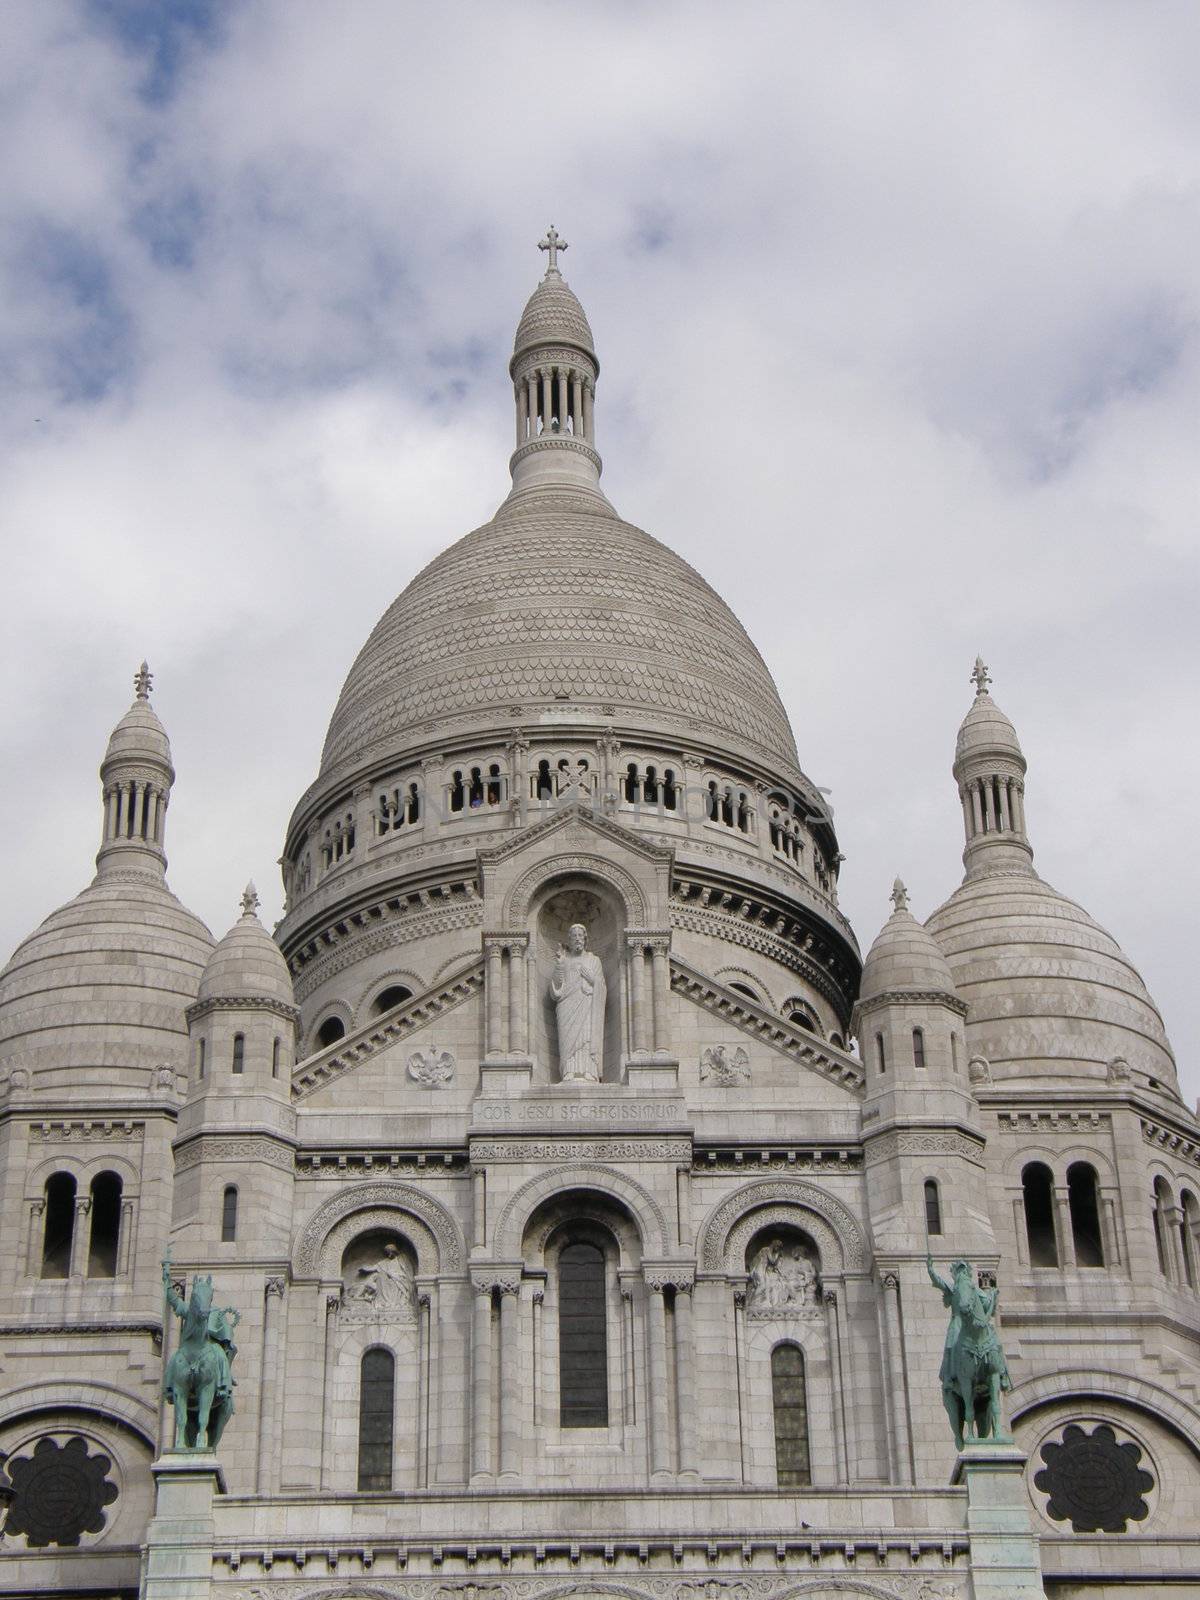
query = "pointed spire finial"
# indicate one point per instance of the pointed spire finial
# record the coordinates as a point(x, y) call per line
point(250, 900)
point(899, 896)
point(553, 242)
point(980, 677)
point(143, 681)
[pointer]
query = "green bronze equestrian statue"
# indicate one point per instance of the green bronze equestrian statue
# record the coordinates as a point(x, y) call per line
point(974, 1371)
point(199, 1378)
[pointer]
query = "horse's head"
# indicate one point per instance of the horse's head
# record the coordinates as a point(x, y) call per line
point(202, 1292)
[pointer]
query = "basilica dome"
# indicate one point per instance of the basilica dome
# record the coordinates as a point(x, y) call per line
point(557, 600)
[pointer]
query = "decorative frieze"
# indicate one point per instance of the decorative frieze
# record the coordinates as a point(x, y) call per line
point(80, 1130)
point(558, 1150)
point(1064, 1120)
point(925, 1142)
point(1166, 1138)
point(250, 1148)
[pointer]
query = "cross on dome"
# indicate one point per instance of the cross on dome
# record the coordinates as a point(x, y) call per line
point(899, 896)
point(980, 677)
point(553, 242)
point(143, 681)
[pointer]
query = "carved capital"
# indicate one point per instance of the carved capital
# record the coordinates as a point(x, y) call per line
point(681, 1278)
point(275, 1286)
point(333, 1304)
point(890, 1280)
point(830, 1298)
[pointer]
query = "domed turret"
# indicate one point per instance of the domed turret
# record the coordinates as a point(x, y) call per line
point(909, 1014)
point(101, 987)
point(1050, 992)
point(247, 964)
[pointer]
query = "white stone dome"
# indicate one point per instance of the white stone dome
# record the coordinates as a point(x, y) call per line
point(985, 728)
point(101, 987)
point(557, 600)
point(905, 959)
point(1051, 993)
point(247, 964)
point(553, 315)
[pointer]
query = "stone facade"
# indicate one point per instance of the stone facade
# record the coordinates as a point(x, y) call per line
point(668, 1333)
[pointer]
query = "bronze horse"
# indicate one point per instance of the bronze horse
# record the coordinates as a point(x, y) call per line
point(974, 1372)
point(199, 1379)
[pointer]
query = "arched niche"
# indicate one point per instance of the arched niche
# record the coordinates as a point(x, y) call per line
point(725, 1233)
point(394, 1207)
point(378, 1270)
point(557, 905)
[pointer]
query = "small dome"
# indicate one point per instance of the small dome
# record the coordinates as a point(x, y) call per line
point(904, 957)
point(1051, 993)
point(553, 315)
point(247, 964)
point(139, 736)
point(985, 728)
point(103, 985)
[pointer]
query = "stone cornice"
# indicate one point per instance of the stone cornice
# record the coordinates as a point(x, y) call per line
point(803, 1047)
point(374, 1037)
point(263, 1002)
point(913, 997)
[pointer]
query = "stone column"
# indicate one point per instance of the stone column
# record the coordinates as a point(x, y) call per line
point(989, 816)
point(479, 1207)
point(837, 1385)
point(332, 1305)
point(897, 1396)
point(685, 1381)
point(1172, 1222)
point(637, 985)
point(589, 420)
point(1019, 805)
point(577, 402)
point(628, 1359)
point(976, 807)
point(33, 1247)
point(125, 1240)
point(536, 1300)
point(518, 999)
point(425, 1383)
point(547, 400)
point(481, 1381)
point(510, 1378)
point(79, 1238)
point(968, 815)
point(661, 967)
point(268, 1453)
point(531, 409)
point(560, 395)
point(683, 1201)
point(1062, 1227)
point(1005, 822)
point(494, 1044)
point(656, 1399)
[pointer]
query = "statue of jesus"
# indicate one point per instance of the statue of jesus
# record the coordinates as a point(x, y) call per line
point(577, 989)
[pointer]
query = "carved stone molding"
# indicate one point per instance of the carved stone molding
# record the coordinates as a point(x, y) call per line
point(586, 864)
point(925, 1142)
point(391, 1197)
point(842, 1237)
point(645, 1209)
point(599, 1149)
point(251, 1147)
point(658, 1276)
point(278, 1008)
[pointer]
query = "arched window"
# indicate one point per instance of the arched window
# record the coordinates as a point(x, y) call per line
point(330, 1031)
point(458, 793)
point(919, 1049)
point(1037, 1186)
point(1188, 1225)
point(582, 1338)
point(630, 785)
point(394, 995)
point(106, 1225)
point(650, 786)
point(790, 1395)
point(229, 1210)
point(239, 1052)
point(670, 792)
point(1084, 1204)
point(376, 1406)
point(1162, 1202)
point(744, 988)
point(275, 1049)
point(543, 783)
point(414, 803)
point(494, 785)
point(475, 791)
point(933, 1207)
point(59, 1226)
point(801, 1019)
point(880, 1052)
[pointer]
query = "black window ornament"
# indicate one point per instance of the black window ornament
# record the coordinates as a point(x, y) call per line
point(59, 1493)
point(1094, 1480)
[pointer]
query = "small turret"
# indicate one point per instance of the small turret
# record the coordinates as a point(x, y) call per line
point(990, 768)
point(137, 776)
point(909, 1019)
point(554, 370)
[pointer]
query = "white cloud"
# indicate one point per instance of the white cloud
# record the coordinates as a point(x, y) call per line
point(897, 316)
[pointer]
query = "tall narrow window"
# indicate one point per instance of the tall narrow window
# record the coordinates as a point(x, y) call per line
point(376, 1404)
point(239, 1052)
point(200, 1057)
point(582, 1338)
point(1084, 1204)
point(918, 1049)
point(59, 1226)
point(275, 1047)
point(1037, 1186)
point(933, 1207)
point(229, 1208)
point(954, 1051)
point(880, 1053)
point(789, 1391)
point(106, 1225)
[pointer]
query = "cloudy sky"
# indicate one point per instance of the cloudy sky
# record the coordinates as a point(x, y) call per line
point(897, 312)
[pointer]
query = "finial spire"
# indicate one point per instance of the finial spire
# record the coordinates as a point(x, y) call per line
point(553, 242)
point(899, 896)
point(250, 900)
point(143, 681)
point(980, 677)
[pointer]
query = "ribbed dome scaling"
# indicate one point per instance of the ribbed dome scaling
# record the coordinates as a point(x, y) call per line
point(557, 600)
point(904, 958)
point(247, 964)
point(553, 315)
